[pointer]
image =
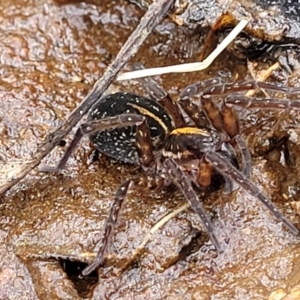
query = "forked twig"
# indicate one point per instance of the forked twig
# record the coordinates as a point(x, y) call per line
point(13, 172)
point(189, 67)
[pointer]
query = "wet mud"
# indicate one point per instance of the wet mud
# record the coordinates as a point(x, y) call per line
point(51, 53)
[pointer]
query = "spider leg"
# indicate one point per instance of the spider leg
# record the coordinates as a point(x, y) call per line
point(246, 102)
point(152, 88)
point(146, 157)
point(204, 173)
point(154, 182)
point(109, 226)
point(209, 108)
point(246, 155)
point(229, 88)
point(198, 88)
point(226, 169)
point(184, 184)
point(225, 121)
point(193, 111)
point(92, 127)
point(217, 88)
point(77, 137)
point(144, 144)
point(232, 128)
point(230, 121)
point(229, 185)
point(157, 93)
point(269, 103)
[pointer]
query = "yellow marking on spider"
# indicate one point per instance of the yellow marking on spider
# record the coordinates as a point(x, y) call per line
point(190, 130)
point(146, 112)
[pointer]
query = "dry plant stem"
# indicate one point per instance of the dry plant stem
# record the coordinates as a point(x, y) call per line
point(189, 67)
point(150, 233)
point(13, 172)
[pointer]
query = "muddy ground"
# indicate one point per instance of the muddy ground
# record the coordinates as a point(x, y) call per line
point(51, 55)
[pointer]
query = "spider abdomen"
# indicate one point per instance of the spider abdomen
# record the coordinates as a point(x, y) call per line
point(120, 143)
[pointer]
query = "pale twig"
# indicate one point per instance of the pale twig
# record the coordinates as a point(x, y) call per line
point(189, 67)
point(150, 233)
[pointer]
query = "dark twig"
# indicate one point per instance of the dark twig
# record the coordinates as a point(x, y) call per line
point(13, 172)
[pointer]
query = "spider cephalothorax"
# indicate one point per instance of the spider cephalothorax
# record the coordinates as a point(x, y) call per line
point(194, 151)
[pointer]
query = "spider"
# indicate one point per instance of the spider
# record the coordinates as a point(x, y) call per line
point(186, 144)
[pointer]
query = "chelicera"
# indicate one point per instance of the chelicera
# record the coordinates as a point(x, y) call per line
point(187, 144)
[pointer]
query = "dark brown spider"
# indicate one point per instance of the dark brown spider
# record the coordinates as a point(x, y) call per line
point(177, 145)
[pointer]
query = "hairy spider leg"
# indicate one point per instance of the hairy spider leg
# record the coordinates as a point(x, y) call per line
point(231, 121)
point(144, 144)
point(183, 183)
point(266, 103)
point(246, 102)
point(157, 93)
point(227, 169)
point(92, 127)
point(153, 181)
point(215, 118)
point(199, 116)
point(199, 87)
point(229, 88)
point(144, 149)
point(153, 89)
point(247, 162)
point(109, 227)
point(204, 173)
point(227, 120)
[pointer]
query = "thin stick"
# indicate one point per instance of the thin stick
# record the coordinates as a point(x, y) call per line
point(150, 233)
point(190, 67)
point(13, 172)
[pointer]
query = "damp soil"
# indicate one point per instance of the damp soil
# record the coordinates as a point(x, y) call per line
point(51, 54)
